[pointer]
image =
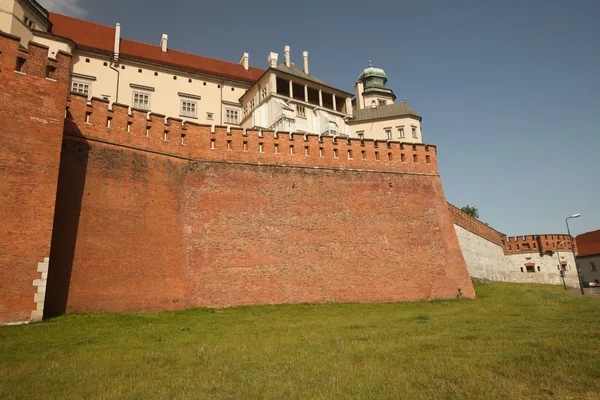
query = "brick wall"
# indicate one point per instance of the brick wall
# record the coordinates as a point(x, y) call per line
point(537, 243)
point(149, 131)
point(31, 126)
point(148, 224)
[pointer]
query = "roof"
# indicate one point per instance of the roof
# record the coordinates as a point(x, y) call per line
point(588, 244)
point(92, 36)
point(387, 111)
point(372, 71)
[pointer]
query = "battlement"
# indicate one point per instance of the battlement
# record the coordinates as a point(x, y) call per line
point(32, 61)
point(537, 243)
point(475, 226)
point(122, 125)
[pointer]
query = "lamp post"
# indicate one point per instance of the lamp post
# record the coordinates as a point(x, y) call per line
point(573, 249)
point(562, 273)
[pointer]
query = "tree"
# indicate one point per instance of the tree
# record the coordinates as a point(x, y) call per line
point(471, 210)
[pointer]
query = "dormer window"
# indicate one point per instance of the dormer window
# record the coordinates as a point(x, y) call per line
point(382, 102)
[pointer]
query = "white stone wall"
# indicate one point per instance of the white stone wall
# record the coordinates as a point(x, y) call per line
point(484, 259)
point(487, 260)
point(546, 268)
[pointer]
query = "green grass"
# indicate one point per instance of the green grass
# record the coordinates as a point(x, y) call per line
point(514, 341)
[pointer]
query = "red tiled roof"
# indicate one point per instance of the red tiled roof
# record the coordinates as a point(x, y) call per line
point(89, 35)
point(588, 244)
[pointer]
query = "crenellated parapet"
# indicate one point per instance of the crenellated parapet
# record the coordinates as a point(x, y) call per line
point(537, 243)
point(122, 125)
point(33, 61)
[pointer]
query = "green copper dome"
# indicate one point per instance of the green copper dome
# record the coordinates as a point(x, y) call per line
point(374, 80)
point(372, 71)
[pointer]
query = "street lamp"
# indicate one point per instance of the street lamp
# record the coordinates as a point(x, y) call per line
point(562, 273)
point(573, 249)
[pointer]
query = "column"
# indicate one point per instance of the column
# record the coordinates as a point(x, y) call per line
point(334, 107)
point(305, 94)
point(291, 90)
point(320, 98)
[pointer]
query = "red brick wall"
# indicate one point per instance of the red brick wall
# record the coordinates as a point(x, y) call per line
point(537, 243)
point(145, 225)
point(31, 126)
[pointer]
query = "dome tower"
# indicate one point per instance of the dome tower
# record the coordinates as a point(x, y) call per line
point(371, 89)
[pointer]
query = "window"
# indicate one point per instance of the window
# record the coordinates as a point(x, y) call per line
point(382, 102)
point(263, 93)
point(301, 111)
point(188, 108)
point(81, 88)
point(231, 116)
point(414, 132)
point(401, 133)
point(252, 104)
point(388, 134)
point(50, 72)
point(28, 22)
point(141, 101)
point(209, 115)
point(593, 266)
point(530, 268)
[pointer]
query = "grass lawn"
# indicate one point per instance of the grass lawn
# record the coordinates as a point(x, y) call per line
point(514, 341)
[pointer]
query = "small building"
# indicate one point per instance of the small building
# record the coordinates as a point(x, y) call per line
point(377, 116)
point(588, 256)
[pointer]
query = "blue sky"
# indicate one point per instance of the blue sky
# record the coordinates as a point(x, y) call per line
point(509, 91)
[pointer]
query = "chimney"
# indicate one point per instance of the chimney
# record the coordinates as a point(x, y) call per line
point(244, 61)
point(163, 42)
point(117, 42)
point(286, 56)
point(305, 57)
point(272, 58)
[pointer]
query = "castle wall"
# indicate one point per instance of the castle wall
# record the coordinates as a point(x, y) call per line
point(491, 255)
point(484, 259)
point(155, 224)
point(31, 126)
point(545, 268)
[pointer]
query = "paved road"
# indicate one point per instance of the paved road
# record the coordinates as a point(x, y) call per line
point(588, 291)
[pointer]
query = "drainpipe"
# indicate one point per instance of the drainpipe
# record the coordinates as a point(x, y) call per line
point(118, 77)
point(116, 50)
point(221, 105)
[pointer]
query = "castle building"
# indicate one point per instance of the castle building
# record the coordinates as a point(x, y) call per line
point(204, 90)
point(140, 178)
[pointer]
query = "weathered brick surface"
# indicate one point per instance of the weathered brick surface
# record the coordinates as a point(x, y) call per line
point(157, 232)
point(144, 224)
point(31, 126)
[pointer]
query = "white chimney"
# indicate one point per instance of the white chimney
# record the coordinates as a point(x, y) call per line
point(117, 42)
point(244, 61)
point(305, 57)
point(286, 56)
point(163, 42)
point(272, 58)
